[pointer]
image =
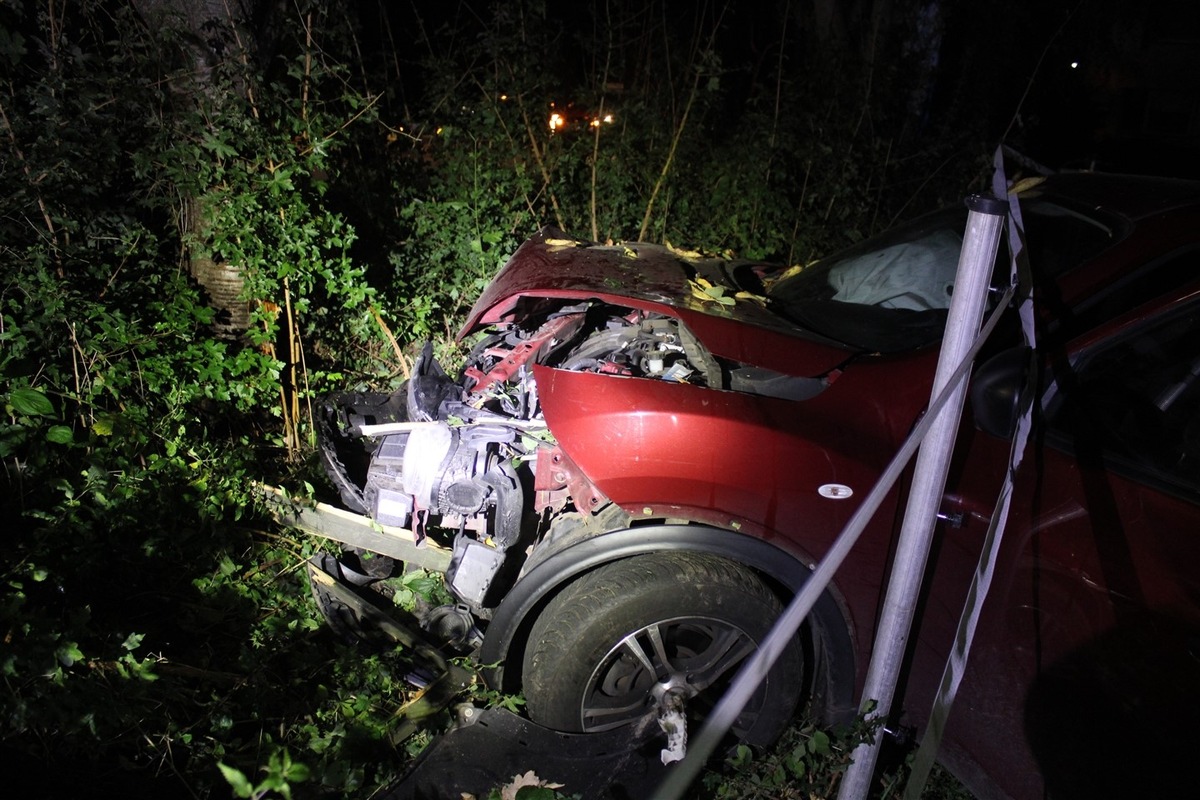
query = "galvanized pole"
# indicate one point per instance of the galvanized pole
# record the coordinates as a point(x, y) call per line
point(978, 254)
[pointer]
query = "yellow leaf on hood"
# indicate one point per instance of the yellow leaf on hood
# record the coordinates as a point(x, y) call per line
point(687, 255)
point(757, 298)
point(1025, 184)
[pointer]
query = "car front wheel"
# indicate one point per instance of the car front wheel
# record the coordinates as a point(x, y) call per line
point(631, 636)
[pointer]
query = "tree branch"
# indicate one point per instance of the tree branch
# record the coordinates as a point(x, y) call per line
point(54, 243)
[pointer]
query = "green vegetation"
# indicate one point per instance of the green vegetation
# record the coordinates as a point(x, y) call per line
point(360, 181)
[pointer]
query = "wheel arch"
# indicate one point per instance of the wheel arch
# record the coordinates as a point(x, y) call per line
point(505, 639)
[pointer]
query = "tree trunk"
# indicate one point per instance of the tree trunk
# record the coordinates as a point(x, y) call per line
point(213, 30)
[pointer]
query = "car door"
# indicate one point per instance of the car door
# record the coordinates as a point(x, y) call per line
point(1086, 674)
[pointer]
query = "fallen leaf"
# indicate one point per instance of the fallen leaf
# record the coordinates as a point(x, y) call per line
point(701, 289)
point(1025, 184)
point(687, 255)
point(519, 782)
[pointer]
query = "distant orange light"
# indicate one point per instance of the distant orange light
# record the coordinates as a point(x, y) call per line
point(557, 121)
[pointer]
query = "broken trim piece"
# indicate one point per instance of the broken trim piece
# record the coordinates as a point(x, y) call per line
point(355, 530)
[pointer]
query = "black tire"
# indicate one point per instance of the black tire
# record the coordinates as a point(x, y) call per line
point(582, 672)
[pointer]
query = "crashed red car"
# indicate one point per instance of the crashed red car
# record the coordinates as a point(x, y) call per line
point(649, 449)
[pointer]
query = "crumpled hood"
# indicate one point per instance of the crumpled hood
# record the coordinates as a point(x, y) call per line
point(653, 278)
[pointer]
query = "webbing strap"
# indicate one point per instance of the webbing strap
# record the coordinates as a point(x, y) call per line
point(981, 582)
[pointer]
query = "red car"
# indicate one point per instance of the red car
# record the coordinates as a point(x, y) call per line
point(648, 451)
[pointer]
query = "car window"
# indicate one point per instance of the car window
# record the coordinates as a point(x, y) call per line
point(891, 293)
point(1061, 238)
point(1134, 288)
point(1134, 401)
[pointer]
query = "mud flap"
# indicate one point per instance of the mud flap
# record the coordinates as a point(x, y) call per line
point(488, 753)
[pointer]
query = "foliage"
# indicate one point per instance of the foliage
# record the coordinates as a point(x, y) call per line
point(158, 636)
point(808, 762)
point(527, 786)
point(150, 622)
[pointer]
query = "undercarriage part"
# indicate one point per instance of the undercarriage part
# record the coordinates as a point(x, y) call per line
point(473, 568)
point(356, 611)
point(453, 624)
point(672, 719)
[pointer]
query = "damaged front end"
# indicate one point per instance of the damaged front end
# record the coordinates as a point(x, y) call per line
point(472, 461)
point(615, 421)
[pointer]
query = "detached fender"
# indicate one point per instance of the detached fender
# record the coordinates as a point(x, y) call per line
point(505, 639)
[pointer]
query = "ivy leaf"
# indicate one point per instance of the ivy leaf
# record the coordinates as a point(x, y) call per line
point(30, 402)
point(69, 654)
point(819, 743)
point(528, 787)
point(60, 434)
point(12, 46)
point(535, 793)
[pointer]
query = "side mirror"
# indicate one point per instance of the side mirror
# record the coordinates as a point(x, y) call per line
point(994, 391)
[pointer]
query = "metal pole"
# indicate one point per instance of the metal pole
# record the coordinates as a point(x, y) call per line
point(984, 224)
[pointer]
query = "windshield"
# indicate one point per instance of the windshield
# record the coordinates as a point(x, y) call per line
point(891, 293)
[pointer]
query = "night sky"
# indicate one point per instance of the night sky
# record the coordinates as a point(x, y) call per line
point(1077, 84)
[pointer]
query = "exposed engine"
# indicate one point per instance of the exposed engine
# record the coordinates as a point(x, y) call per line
point(474, 458)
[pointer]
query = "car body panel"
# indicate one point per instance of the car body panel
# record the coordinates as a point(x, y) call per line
point(1089, 646)
point(744, 463)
